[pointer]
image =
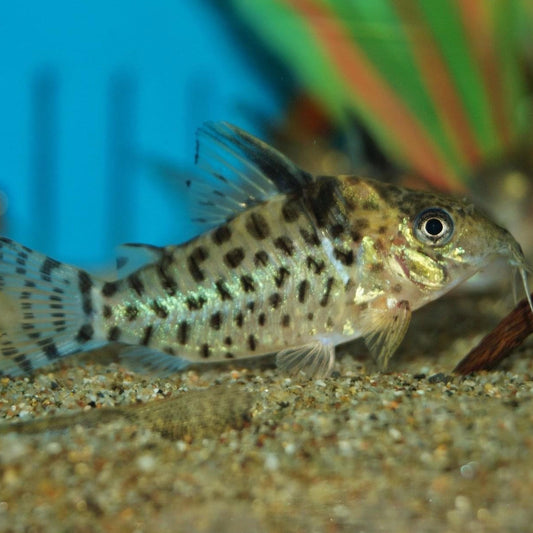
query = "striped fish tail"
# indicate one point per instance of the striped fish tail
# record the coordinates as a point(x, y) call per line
point(46, 309)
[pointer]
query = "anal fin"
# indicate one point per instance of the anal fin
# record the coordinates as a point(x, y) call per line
point(314, 359)
point(149, 361)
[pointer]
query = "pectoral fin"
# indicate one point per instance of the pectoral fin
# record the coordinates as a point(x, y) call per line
point(385, 328)
point(314, 359)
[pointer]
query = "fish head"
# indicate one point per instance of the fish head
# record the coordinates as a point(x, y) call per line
point(441, 241)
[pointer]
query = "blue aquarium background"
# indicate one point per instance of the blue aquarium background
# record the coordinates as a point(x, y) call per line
point(99, 104)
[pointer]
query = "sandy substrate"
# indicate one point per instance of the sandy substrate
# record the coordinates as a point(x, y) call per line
point(413, 449)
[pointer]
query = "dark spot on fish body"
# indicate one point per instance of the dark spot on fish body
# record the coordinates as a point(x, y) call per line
point(247, 283)
point(316, 266)
point(325, 298)
point(291, 210)
point(197, 256)
point(239, 319)
point(261, 319)
point(131, 312)
point(113, 334)
point(336, 229)
point(147, 335)
point(345, 257)
point(329, 323)
point(216, 320)
point(168, 283)
point(107, 312)
point(183, 332)
point(85, 333)
point(285, 321)
point(169, 350)
point(323, 199)
point(382, 230)
point(281, 277)
point(221, 235)
point(303, 287)
point(356, 236)
point(234, 257)
point(377, 267)
point(274, 300)
point(229, 355)
point(310, 316)
point(135, 283)
point(397, 288)
point(85, 283)
point(110, 288)
point(261, 258)
point(223, 290)
point(158, 309)
point(257, 226)
point(194, 303)
point(284, 244)
point(205, 351)
point(250, 306)
point(252, 343)
point(228, 341)
point(310, 236)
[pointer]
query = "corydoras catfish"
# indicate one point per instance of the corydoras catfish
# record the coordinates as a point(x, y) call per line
point(292, 264)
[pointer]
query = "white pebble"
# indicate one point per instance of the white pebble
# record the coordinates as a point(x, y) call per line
point(146, 462)
point(290, 448)
point(395, 434)
point(271, 462)
point(53, 448)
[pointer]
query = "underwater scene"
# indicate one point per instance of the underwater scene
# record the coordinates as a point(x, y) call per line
point(266, 266)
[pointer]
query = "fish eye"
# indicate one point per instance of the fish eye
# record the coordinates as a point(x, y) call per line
point(433, 226)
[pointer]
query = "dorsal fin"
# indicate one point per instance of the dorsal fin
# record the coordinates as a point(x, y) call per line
point(242, 171)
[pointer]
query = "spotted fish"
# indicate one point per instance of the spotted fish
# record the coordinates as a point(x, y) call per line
point(291, 263)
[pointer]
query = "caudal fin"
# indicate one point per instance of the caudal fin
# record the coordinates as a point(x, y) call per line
point(46, 309)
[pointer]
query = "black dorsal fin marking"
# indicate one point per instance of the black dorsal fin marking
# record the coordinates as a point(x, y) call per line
point(242, 171)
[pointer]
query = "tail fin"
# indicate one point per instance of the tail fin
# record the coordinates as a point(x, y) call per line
point(46, 309)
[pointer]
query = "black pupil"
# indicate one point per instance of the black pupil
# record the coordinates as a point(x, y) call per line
point(434, 226)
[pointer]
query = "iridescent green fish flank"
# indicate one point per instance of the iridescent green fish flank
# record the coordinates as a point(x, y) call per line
point(294, 264)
